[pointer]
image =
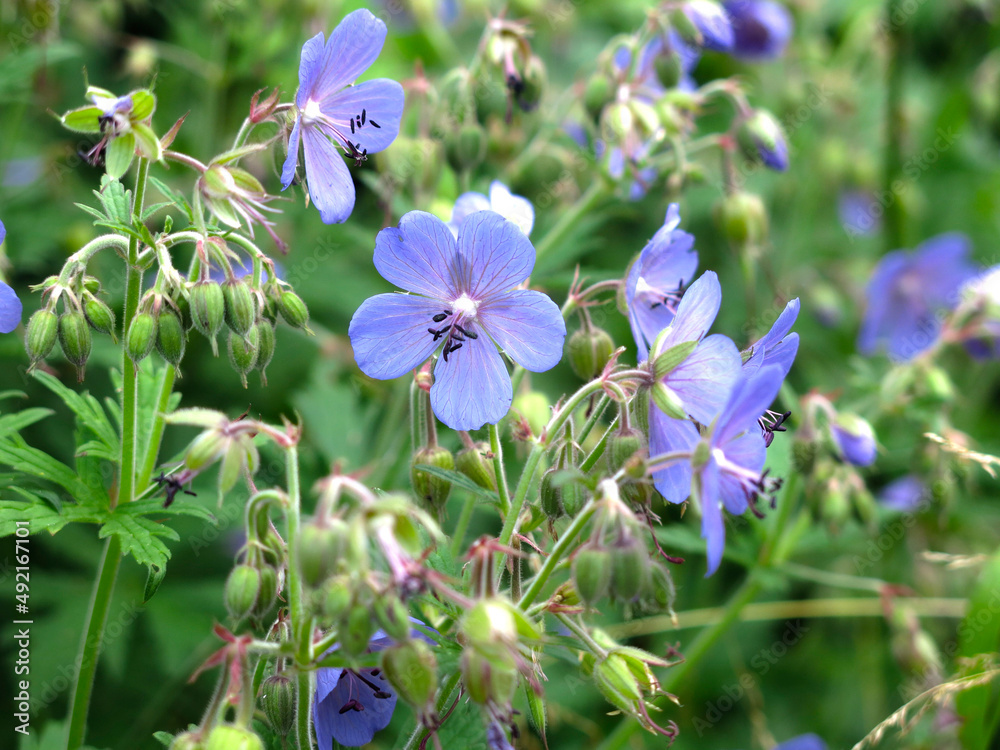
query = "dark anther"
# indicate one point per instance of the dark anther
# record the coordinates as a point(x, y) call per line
point(362, 117)
point(437, 334)
point(451, 349)
point(375, 124)
point(352, 705)
point(439, 317)
point(375, 672)
point(352, 126)
point(172, 488)
point(382, 694)
point(772, 422)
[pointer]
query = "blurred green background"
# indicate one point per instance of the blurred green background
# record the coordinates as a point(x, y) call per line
point(839, 676)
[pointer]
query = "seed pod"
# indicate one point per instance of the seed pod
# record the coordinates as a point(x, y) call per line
point(549, 495)
point(240, 309)
point(466, 148)
point(225, 737)
point(74, 338)
point(293, 310)
point(320, 550)
point(268, 593)
point(208, 307)
point(629, 569)
point(265, 346)
point(242, 590)
point(430, 489)
point(243, 352)
point(589, 351)
point(591, 573)
point(622, 445)
point(170, 337)
point(473, 463)
point(598, 93)
point(100, 316)
point(336, 597)
point(140, 336)
point(40, 336)
point(742, 219)
point(277, 698)
point(360, 629)
point(411, 667)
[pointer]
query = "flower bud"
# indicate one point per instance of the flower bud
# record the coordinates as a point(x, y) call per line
point(265, 346)
point(854, 438)
point(532, 84)
point(598, 93)
point(562, 492)
point(293, 310)
point(393, 617)
point(411, 668)
point(630, 566)
point(320, 549)
point(336, 597)
point(99, 315)
point(242, 590)
point(358, 630)
point(761, 138)
point(668, 67)
point(205, 450)
point(74, 338)
point(268, 593)
point(622, 445)
point(208, 309)
point(243, 352)
point(742, 219)
point(640, 410)
point(616, 681)
point(140, 336)
point(588, 351)
point(466, 148)
point(170, 337)
point(277, 699)
point(240, 309)
point(187, 741)
point(662, 589)
point(432, 490)
point(225, 737)
point(40, 336)
point(473, 463)
point(592, 573)
point(549, 495)
point(489, 679)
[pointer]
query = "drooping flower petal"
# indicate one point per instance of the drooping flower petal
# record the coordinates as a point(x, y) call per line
point(389, 334)
point(761, 28)
point(668, 435)
point(697, 310)
point(705, 379)
point(351, 49)
point(749, 399)
point(330, 185)
point(903, 494)
point(472, 388)
point(713, 528)
point(465, 205)
point(803, 742)
point(292, 159)
point(310, 65)
point(496, 255)
point(528, 327)
point(419, 256)
point(777, 346)
point(381, 101)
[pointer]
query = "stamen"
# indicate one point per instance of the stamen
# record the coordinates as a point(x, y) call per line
point(439, 317)
point(771, 422)
point(362, 117)
point(352, 705)
point(352, 125)
point(375, 124)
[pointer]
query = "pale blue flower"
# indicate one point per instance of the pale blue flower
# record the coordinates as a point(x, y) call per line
point(500, 200)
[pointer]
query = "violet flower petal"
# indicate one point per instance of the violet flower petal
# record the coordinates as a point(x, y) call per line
point(382, 102)
point(292, 159)
point(496, 255)
point(419, 256)
point(330, 185)
point(697, 310)
point(351, 728)
point(11, 308)
point(472, 388)
point(704, 380)
point(667, 435)
point(350, 51)
point(528, 327)
point(389, 334)
point(749, 399)
point(310, 65)
point(713, 527)
point(748, 451)
point(512, 207)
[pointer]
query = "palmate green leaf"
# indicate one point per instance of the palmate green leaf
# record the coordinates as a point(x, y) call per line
point(460, 480)
point(36, 463)
point(176, 198)
point(39, 515)
point(140, 537)
point(87, 409)
point(11, 423)
point(154, 506)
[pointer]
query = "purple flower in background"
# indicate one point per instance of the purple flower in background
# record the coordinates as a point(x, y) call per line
point(906, 292)
point(655, 282)
point(10, 305)
point(362, 119)
point(512, 207)
point(854, 438)
point(903, 494)
point(712, 23)
point(761, 137)
point(777, 347)
point(350, 706)
point(803, 742)
point(463, 302)
point(761, 28)
point(855, 209)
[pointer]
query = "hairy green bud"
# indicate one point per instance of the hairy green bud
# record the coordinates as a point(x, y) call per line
point(75, 340)
point(171, 339)
point(591, 573)
point(243, 352)
point(242, 590)
point(588, 351)
point(41, 334)
point(208, 307)
point(140, 336)
point(411, 667)
point(293, 310)
point(225, 737)
point(473, 463)
point(240, 309)
point(265, 346)
point(431, 490)
point(277, 699)
point(99, 315)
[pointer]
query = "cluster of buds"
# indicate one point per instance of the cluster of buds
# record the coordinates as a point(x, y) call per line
point(254, 584)
point(507, 50)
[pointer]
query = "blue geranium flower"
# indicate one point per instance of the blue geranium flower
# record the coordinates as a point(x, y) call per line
point(854, 438)
point(906, 292)
point(463, 300)
point(712, 23)
point(362, 119)
point(761, 28)
point(776, 347)
point(903, 494)
point(350, 706)
point(656, 280)
point(501, 201)
point(10, 305)
point(803, 742)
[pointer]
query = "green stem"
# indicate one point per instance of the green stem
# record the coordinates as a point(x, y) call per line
point(300, 621)
point(93, 634)
point(156, 432)
point(894, 126)
point(570, 219)
point(445, 696)
point(107, 571)
point(558, 552)
point(458, 538)
point(502, 488)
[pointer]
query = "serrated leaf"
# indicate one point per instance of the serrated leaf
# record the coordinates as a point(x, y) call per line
point(97, 449)
point(39, 516)
point(38, 464)
point(139, 537)
point(155, 505)
point(150, 210)
point(176, 198)
point(4, 395)
point(460, 480)
point(16, 422)
point(87, 409)
point(164, 738)
point(91, 210)
point(116, 201)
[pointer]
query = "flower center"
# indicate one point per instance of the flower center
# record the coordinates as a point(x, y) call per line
point(466, 306)
point(772, 422)
point(755, 486)
point(358, 683)
point(655, 296)
point(311, 112)
point(455, 333)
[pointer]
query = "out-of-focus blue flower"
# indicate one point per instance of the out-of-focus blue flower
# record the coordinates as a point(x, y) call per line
point(351, 706)
point(701, 383)
point(777, 347)
point(731, 476)
point(656, 280)
point(762, 137)
point(362, 119)
point(904, 494)
point(982, 296)
point(10, 305)
point(906, 292)
point(855, 208)
point(712, 22)
point(463, 304)
point(512, 207)
point(761, 28)
point(854, 438)
point(803, 742)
